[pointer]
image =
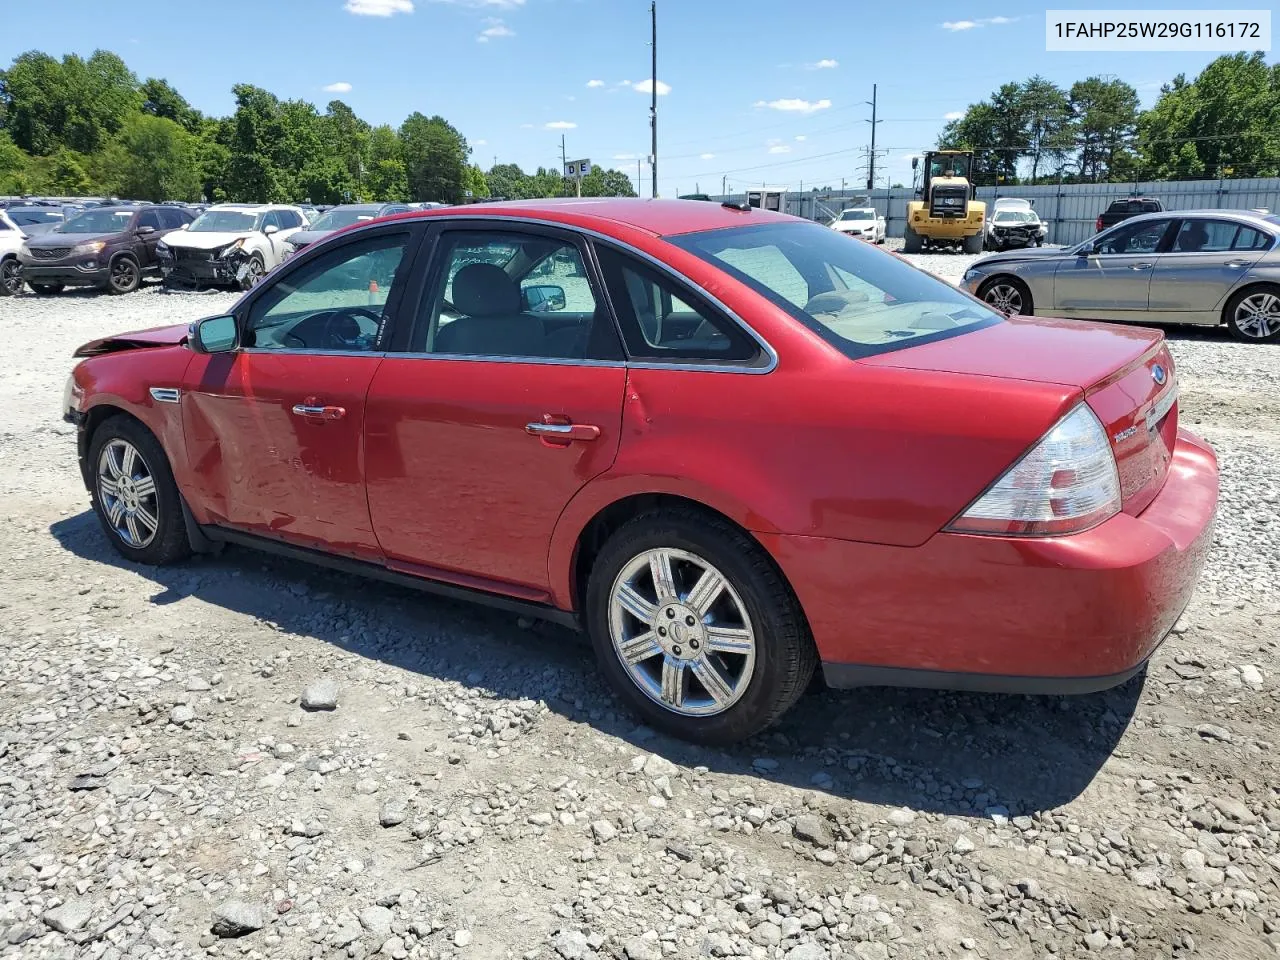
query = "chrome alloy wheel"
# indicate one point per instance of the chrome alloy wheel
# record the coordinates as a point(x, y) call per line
point(682, 632)
point(1005, 297)
point(1259, 315)
point(127, 493)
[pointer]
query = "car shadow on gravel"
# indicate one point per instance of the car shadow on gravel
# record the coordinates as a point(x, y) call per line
point(958, 754)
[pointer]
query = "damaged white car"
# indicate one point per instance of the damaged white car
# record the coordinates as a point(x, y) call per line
point(861, 222)
point(229, 245)
point(1013, 223)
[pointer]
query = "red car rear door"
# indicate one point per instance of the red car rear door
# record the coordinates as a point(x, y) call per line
point(274, 429)
point(507, 401)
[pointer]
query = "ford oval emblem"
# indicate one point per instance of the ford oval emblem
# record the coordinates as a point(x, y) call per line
point(1158, 374)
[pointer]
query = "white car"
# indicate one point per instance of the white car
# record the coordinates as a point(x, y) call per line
point(230, 244)
point(11, 238)
point(1012, 223)
point(861, 222)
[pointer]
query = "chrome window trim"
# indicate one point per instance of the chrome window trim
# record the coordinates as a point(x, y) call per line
point(710, 366)
point(316, 353)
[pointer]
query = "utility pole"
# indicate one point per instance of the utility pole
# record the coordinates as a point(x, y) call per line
point(723, 184)
point(639, 178)
point(564, 157)
point(871, 166)
point(653, 95)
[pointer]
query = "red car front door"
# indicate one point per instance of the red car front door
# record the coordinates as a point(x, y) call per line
point(508, 403)
point(274, 430)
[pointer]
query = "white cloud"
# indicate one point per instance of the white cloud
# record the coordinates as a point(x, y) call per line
point(646, 86)
point(625, 156)
point(560, 125)
point(623, 83)
point(794, 105)
point(706, 156)
point(340, 87)
point(827, 64)
point(801, 138)
point(379, 8)
point(595, 83)
point(496, 28)
point(479, 143)
point(959, 26)
point(780, 148)
point(485, 4)
point(953, 115)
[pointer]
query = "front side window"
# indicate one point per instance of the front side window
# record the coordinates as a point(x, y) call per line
point(335, 302)
point(288, 219)
point(150, 218)
point(1141, 237)
point(662, 320)
point(855, 297)
point(515, 294)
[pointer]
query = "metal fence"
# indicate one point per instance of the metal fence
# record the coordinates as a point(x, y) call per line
point(1069, 210)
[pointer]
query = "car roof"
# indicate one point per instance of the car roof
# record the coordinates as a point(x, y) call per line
point(252, 207)
point(1244, 216)
point(656, 217)
point(363, 206)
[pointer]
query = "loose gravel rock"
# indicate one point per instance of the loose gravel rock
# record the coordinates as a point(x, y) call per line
point(165, 783)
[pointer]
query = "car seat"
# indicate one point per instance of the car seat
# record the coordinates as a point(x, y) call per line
point(491, 322)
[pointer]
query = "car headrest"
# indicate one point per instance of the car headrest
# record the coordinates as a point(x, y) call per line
point(485, 290)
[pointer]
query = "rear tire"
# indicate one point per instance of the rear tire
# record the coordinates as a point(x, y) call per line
point(10, 277)
point(1009, 295)
point(752, 610)
point(1253, 315)
point(134, 493)
point(912, 242)
point(46, 289)
point(973, 244)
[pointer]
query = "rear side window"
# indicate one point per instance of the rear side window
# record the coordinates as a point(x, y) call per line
point(855, 297)
point(288, 219)
point(149, 218)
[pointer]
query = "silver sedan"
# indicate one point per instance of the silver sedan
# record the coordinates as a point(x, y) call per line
point(1205, 267)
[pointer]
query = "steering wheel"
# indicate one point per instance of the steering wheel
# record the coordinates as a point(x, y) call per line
point(333, 329)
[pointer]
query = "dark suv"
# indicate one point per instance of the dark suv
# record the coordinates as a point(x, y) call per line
point(111, 248)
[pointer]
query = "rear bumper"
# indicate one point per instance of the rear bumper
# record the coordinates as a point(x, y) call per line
point(1060, 615)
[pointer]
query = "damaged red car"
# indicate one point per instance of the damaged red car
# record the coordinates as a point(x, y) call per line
point(735, 447)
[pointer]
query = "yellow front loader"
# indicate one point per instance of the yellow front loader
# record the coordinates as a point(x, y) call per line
point(948, 215)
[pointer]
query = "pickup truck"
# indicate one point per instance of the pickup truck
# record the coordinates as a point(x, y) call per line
point(1124, 209)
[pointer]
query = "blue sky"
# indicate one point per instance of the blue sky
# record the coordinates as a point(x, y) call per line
point(757, 90)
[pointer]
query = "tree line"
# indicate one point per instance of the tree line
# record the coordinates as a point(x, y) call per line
point(88, 126)
point(1221, 124)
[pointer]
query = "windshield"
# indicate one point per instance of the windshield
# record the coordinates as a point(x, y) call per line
point(857, 298)
point(223, 221)
point(337, 219)
point(858, 215)
point(97, 221)
point(27, 217)
point(1014, 216)
point(949, 166)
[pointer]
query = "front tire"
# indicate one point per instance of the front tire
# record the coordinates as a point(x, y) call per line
point(972, 244)
point(134, 494)
point(1254, 315)
point(695, 628)
point(912, 242)
point(10, 277)
point(124, 275)
point(1009, 295)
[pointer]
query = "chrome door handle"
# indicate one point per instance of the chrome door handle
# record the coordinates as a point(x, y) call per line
point(319, 412)
point(1141, 266)
point(563, 431)
point(1238, 263)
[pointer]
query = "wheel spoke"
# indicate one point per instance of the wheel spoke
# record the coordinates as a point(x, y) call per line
point(115, 511)
point(705, 592)
point(640, 648)
point(717, 686)
point(113, 462)
point(108, 487)
point(147, 519)
point(636, 605)
point(673, 681)
point(131, 524)
point(145, 487)
point(663, 581)
point(128, 460)
point(729, 640)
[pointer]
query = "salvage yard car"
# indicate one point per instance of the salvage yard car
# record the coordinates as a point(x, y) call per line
point(862, 222)
point(1013, 223)
point(731, 444)
point(1204, 267)
point(11, 239)
point(230, 244)
point(111, 248)
point(336, 218)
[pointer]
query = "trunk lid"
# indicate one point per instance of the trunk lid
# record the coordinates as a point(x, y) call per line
point(1126, 375)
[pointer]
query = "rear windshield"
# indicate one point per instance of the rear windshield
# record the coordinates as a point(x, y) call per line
point(859, 299)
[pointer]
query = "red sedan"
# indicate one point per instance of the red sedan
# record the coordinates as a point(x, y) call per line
point(732, 445)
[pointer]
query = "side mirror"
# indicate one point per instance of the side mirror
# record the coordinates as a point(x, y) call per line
point(143, 231)
point(544, 298)
point(185, 226)
point(270, 228)
point(214, 335)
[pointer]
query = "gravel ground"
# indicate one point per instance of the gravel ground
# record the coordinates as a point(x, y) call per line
point(245, 757)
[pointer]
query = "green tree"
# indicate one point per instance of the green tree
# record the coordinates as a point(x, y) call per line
point(1105, 114)
point(995, 143)
point(66, 175)
point(385, 177)
point(14, 167)
point(1047, 124)
point(346, 137)
point(435, 158)
point(36, 99)
point(477, 186)
point(607, 183)
point(508, 181)
point(252, 174)
point(161, 100)
point(152, 158)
